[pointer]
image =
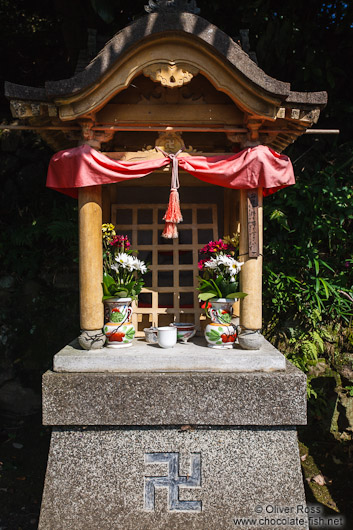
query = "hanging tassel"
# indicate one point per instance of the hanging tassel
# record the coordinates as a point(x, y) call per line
point(173, 214)
point(170, 231)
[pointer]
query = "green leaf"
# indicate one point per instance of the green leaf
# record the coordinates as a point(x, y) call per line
point(317, 266)
point(122, 294)
point(108, 282)
point(317, 285)
point(327, 265)
point(206, 296)
point(237, 295)
point(324, 283)
point(217, 289)
point(204, 283)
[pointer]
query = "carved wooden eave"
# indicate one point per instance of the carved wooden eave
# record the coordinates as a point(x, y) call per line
point(171, 51)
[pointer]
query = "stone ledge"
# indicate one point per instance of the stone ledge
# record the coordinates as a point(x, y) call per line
point(254, 398)
point(144, 357)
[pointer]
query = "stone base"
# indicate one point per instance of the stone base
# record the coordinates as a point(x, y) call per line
point(118, 460)
point(192, 356)
point(108, 478)
point(254, 398)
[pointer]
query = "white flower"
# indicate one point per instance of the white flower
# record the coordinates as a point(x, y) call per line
point(130, 263)
point(222, 259)
point(211, 264)
point(114, 267)
point(122, 260)
point(141, 266)
point(234, 267)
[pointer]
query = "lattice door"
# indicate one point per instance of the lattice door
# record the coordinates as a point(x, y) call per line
point(170, 291)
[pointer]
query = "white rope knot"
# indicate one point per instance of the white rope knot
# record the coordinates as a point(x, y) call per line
point(173, 157)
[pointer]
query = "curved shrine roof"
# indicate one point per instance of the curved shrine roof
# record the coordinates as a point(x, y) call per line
point(151, 26)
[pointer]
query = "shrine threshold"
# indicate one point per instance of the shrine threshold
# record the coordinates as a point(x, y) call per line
point(167, 439)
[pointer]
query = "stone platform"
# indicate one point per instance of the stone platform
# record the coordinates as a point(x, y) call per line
point(192, 356)
point(254, 398)
point(158, 449)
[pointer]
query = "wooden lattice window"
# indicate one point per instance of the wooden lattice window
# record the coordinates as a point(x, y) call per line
point(170, 291)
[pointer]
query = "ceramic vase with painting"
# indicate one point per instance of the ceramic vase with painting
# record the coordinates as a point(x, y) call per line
point(118, 327)
point(220, 333)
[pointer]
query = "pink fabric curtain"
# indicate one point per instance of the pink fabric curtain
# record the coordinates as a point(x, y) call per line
point(254, 167)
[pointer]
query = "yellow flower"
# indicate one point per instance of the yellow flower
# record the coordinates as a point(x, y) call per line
point(108, 230)
point(232, 240)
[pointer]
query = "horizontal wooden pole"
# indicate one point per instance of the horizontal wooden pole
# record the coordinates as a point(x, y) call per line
point(158, 128)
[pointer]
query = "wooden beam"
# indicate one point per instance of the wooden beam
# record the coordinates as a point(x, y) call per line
point(153, 128)
point(177, 113)
point(251, 272)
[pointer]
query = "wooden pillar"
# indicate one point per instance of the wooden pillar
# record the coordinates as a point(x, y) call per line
point(251, 272)
point(91, 258)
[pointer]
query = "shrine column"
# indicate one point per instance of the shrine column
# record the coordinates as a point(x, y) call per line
point(250, 252)
point(90, 267)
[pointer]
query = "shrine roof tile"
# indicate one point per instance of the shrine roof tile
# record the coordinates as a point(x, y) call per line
point(150, 27)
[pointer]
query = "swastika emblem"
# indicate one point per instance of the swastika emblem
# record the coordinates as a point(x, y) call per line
point(173, 481)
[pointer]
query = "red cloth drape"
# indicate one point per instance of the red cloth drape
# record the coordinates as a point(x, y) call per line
point(254, 167)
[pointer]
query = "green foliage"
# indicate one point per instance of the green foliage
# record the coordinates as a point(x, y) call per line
point(218, 288)
point(308, 255)
point(113, 288)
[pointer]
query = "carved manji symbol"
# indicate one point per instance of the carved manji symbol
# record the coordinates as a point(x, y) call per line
point(173, 481)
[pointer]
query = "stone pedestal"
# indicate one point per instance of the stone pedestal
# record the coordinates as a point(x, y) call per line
point(173, 450)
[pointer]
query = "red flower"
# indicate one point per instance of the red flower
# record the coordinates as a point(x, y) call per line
point(215, 246)
point(200, 264)
point(121, 242)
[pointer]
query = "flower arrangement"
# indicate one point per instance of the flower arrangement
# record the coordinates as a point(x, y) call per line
point(219, 269)
point(122, 272)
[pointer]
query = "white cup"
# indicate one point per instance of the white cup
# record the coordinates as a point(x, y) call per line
point(167, 336)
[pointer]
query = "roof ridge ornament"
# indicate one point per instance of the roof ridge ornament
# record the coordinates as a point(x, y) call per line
point(172, 6)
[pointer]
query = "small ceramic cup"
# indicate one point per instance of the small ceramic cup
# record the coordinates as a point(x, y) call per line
point(167, 336)
point(185, 330)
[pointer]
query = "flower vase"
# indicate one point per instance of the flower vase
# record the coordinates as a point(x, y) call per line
point(118, 327)
point(220, 333)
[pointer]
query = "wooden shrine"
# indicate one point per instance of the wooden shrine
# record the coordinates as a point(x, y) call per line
point(173, 82)
point(186, 437)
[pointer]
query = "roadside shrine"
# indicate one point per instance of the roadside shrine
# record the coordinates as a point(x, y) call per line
point(118, 457)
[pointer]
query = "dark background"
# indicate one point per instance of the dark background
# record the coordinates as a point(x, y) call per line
point(309, 44)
